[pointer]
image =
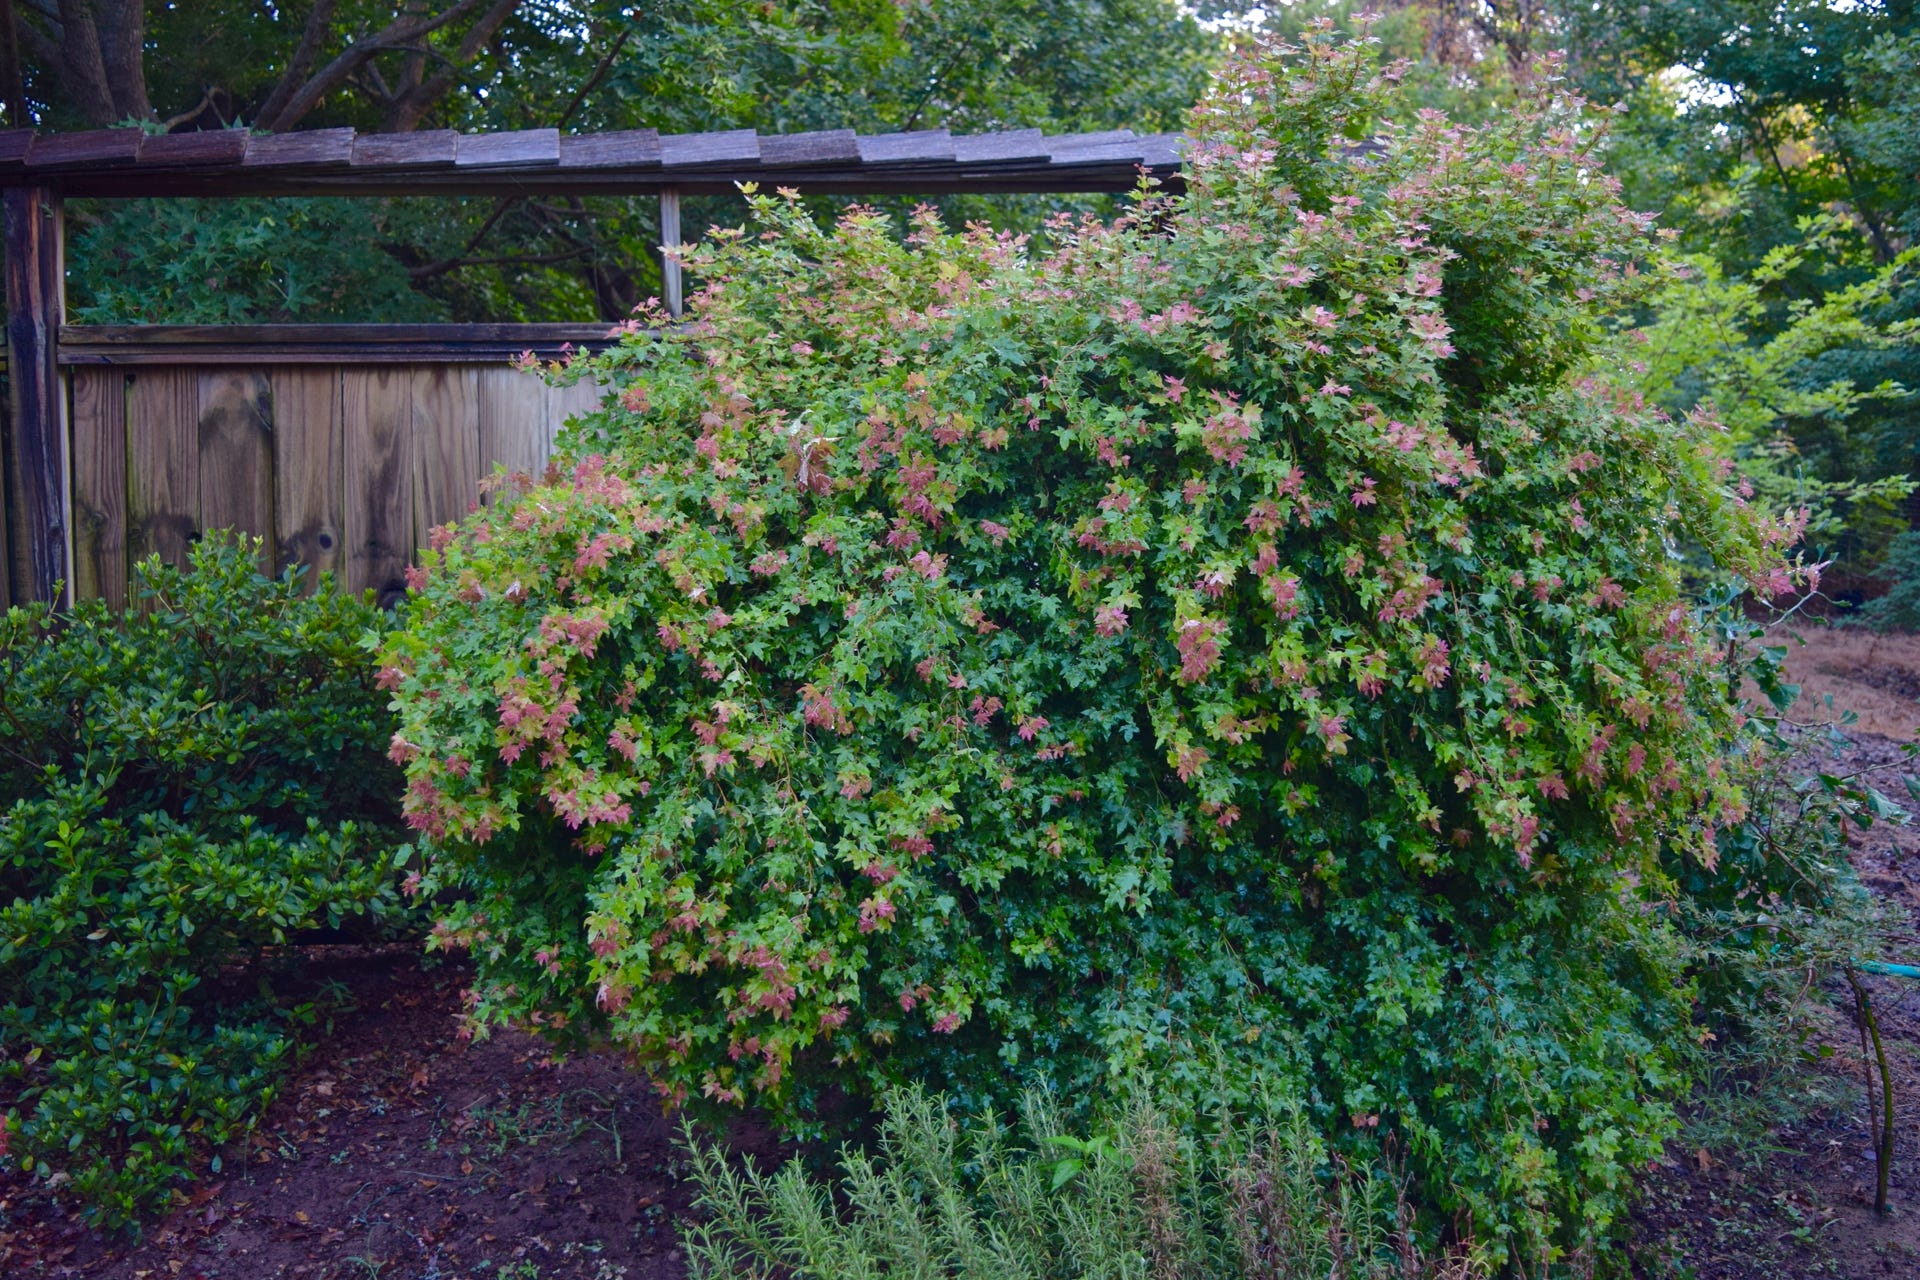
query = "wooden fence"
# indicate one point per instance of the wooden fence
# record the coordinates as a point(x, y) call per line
point(342, 467)
point(342, 445)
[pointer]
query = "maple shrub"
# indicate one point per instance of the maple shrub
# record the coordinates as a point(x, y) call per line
point(1237, 646)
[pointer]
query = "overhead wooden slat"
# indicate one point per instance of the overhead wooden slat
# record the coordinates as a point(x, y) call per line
point(923, 146)
point(163, 463)
point(100, 486)
point(1079, 151)
point(236, 455)
point(93, 149)
point(14, 145)
point(1101, 139)
point(1160, 150)
point(203, 147)
point(627, 149)
point(827, 147)
point(1001, 148)
point(705, 150)
point(523, 147)
point(308, 148)
point(635, 162)
point(377, 405)
point(309, 448)
point(430, 148)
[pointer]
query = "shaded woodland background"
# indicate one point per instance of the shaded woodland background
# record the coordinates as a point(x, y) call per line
point(1780, 143)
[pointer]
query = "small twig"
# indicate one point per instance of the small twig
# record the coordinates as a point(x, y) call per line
point(1880, 1122)
point(206, 100)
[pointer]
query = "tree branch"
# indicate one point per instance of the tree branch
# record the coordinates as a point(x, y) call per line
point(44, 48)
point(593, 81)
point(357, 55)
point(206, 100)
point(123, 51)
point(416, 101)
point(82, 69)
point(12, 87)
point(319, 22)
point(507, 202)
point(432, 269)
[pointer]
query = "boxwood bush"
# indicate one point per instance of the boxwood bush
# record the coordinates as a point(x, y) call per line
point(1245, 633)
point(179, 788)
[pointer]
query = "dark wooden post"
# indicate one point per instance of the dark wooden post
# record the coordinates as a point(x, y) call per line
point(37, 416)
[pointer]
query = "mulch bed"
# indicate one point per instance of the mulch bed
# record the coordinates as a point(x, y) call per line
point(399, 1150)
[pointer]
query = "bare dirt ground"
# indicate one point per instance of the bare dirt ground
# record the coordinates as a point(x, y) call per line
point(1798, 1200)
point(1839, 670)
point(399, 1151)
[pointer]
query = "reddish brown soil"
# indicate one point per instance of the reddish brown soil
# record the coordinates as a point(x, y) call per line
point(400, 1151)
point(1840, 670)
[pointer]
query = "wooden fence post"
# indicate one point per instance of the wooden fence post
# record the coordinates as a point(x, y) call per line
point(37, 498)
point(670, 238)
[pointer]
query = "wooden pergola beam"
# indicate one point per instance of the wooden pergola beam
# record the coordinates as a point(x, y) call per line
point(118, 163)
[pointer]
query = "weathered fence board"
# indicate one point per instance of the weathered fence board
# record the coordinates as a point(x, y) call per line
point(379, 413)
point(100, 485)
point(163, 463)
point(309, 452)
point(344, 468)
point(509, 399)
point(236, 454)
point(568, 402)
point(446, 438)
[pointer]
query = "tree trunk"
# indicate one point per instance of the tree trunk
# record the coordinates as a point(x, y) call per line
point(96, 49)
point(123, 33)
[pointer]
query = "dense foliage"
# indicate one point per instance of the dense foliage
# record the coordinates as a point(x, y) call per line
point(1238, 634)
point(1899, 608)
point(248, 262)
point(678, 66)
point(181, 788)
point(1256, 1197)
point(1777, 137)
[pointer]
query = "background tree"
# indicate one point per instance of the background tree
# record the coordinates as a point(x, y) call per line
point(675, 65)
point(1780, 146)
point(98, 63)
point(1779, 142)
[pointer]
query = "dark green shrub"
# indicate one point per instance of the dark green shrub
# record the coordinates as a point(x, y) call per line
point(1238, 633)
point(1257, 1197)
point(181, 788)
point(1899, 608)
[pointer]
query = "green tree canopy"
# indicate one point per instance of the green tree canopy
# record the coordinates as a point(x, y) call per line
point(674, 65)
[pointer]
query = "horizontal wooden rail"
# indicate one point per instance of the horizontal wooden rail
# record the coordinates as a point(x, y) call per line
point(227, 344)
point(126, 162)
